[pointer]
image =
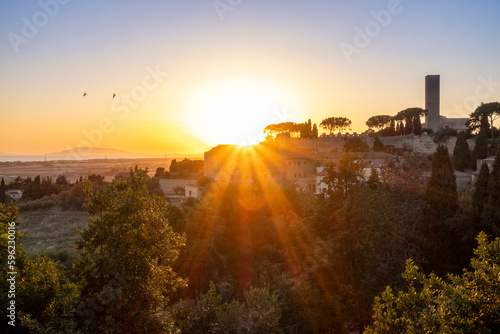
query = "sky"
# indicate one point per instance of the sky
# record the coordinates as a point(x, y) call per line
point(188, 75)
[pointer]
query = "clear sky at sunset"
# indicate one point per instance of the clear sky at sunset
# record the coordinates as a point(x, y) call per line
point(189, 75)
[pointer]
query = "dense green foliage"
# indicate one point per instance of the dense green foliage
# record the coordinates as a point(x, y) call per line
point(333, 124)
point(408, 122)
point(483, 117)
point(263, 258)
point(126, 263)
point(461, 153)
point(441, 192)
point(378, 122)
point(481, 148)
point(466, 303)
point(491, 208)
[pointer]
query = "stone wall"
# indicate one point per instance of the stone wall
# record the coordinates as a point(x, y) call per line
point(421, 144)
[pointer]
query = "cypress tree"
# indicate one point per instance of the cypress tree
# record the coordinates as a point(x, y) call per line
point(374, 180)
point(491, 212)
point(480, 195)
point(461, 153)
point(417, 126)
point(37, 188)
point(408, 126)
point(315, 131)
point(3, 188)
point(441, 200)
point(441, 191)
point(481, 148)
point(392, 128)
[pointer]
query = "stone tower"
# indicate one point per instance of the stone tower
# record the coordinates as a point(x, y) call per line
point(432, 119)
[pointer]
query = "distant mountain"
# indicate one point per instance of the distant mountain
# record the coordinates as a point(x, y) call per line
point(85, 152)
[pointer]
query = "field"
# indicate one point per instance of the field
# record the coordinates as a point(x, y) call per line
point(73, 169)
point(53, 231)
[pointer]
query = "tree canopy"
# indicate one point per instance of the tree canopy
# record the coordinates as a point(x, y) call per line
point(461, 153)
point(484, 116)
point(379, 122)
point(333, 124)
point(127, 253)
point(469, 303)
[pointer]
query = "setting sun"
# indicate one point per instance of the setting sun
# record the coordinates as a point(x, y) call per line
point(235, 111)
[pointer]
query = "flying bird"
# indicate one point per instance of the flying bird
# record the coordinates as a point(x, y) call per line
point(114, 95)
point(84, 94)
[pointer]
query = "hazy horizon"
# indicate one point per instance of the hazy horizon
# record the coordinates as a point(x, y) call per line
point(189, 76)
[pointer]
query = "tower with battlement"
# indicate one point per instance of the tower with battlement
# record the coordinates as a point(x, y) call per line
point(432, 119)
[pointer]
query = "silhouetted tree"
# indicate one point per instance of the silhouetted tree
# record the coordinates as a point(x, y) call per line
point(47, 187)
point(127, 253)
point(307, 131)
point(3, 188)
point(441, 191)
point(378, 122)
point(173, 166)
point(392, 128)
point(315, 131)
point(480, 195)
point(408, 126)
point(279, 128)
point(491, 211)
point(480, 149)
point(441, 199)
point(36, 191)
point(417, 126)
point(484, 116)
point(333, 124)
point(461, 152)
point(62, 181)
point(161, 173)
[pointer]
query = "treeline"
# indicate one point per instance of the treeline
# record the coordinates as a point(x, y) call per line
point(260, 258)
point(405, 122)
point(181, 169)
point(43, 193)
point(296, 130)
point(408, 121)
point(466, 159)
